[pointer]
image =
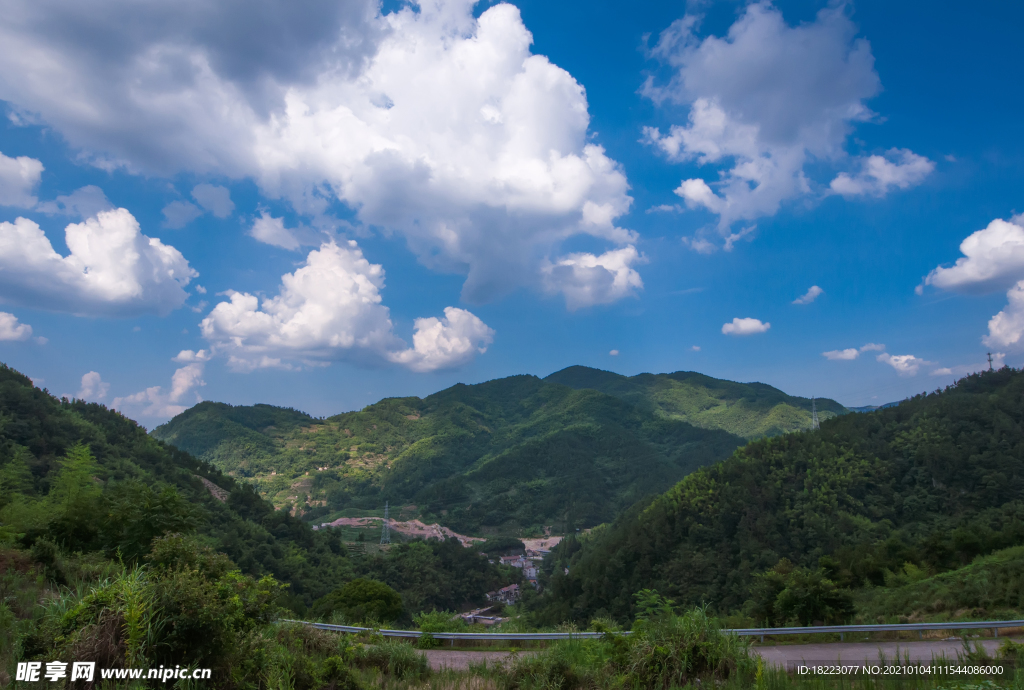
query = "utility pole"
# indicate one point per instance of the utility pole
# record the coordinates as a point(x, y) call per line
point(814, 415)
point(990, 361)
point(385, 530)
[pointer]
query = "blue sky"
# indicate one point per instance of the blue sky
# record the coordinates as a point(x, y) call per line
point(239, 202)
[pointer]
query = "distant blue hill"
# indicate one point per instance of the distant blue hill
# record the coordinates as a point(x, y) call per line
point(872, 408)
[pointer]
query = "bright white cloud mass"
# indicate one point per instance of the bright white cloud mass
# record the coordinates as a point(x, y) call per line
point(745, 327)
point(330, 309)
point(112, 269)
point(18, 179)
point(586, 280)
point(13, 330)
point(764, 101)
point(94, 388)
point(993, 259)
point(432, 123)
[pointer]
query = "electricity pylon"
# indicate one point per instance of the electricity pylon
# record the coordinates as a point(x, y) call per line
point(385, 530)
point(814, 414)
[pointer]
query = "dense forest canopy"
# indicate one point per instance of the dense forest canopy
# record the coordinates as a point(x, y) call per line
point(885, 499)
point(509, 456)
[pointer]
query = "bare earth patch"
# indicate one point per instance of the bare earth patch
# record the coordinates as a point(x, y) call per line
point(411, 528)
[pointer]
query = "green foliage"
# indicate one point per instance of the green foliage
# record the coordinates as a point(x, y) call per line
point(393, 658)
point(664, 651)
point(750, 410)
point(501, 546)
point(362, 601)
point(934, 482)
point(513, 454)
point(437, 575)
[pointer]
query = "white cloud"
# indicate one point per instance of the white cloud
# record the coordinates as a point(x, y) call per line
point(330, 309)
point(426, 122)
point(993, 259)
point(875, 347)
point(1006, 328)
point(178, 214)
point(272, 231)
point(700, 245)
point(905, 365)
point(879, 174)
point(586, 279)
point(18, 179)
point(763, 101)
point(613, 353)
point(445, 343)
point(943, 371)
point(157, 403)
point(113, 269)
point(847, 354)
point(187, 356)
point(215, 199)
point(695, 348)
point(812, 294)
point(84, 202)
point(745, 327)
point(94, 388)
point(11, 329)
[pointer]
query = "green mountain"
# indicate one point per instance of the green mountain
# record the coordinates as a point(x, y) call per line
point(874, 500)
point(83, 488)
point(507, 456)
point(750, 410)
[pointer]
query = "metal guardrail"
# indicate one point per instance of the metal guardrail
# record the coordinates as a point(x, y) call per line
point(741, 632)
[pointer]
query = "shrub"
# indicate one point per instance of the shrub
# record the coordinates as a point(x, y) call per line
point(392, 658)
point(362, 600)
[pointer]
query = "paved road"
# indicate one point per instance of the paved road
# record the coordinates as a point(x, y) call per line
point(782, 655)
point(858, 652)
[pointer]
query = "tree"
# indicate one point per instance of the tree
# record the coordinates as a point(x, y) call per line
point(362, 601)
point(809, 596)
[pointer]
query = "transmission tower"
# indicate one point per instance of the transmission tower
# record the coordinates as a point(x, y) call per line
point(385, 529)
point(814, 414)
point(990, 361)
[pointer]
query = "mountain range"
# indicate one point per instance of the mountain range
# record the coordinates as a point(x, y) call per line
point(510, 456)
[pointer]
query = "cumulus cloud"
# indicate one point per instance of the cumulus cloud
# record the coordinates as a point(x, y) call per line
point(876, 347)
point(745, 327)
point(847, 354)
point(214, 199)
point(11, 329)
point(330, 309)
point(1006, 328)
point(160, 404)
point(112, 269)
point(993, 259)
point(763, 101)
point(905, 365)
point(188, 356)
point(879, 174)
point(84, 202)
point(94, 388)
point(812, 294)
point(445, 343)
point(427, 121)
point(613, 353)
point(586, 279)
point(18, 179)
point(272, 231)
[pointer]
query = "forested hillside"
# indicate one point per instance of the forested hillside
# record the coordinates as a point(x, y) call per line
point(889, 499)
point(79, 481)
point(507, 456)
point(750, 410)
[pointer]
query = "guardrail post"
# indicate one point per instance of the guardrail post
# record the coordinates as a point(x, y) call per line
point(920, 634)
point(762, 639)
point(995, 632)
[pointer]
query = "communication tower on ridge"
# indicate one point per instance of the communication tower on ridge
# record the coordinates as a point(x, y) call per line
point(814, 414)
point(990, 361)
point(385, 530)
